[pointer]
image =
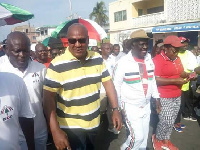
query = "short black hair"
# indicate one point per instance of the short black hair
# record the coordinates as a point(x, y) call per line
point(116, 45)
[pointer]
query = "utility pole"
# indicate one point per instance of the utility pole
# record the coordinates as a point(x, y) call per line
point(70, 8)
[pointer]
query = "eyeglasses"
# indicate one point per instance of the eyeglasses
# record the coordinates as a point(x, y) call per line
point(81, 41)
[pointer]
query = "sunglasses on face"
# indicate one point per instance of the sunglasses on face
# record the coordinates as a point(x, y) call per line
point(81, 41)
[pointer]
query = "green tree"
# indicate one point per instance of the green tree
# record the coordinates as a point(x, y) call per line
point(99, 14)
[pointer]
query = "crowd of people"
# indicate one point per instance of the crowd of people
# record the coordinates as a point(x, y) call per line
point(63, 92)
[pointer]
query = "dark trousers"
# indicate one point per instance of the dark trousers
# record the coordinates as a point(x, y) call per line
point(186, 106)
point(81, 139)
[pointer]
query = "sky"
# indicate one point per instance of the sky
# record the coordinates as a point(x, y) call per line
point(50, 12)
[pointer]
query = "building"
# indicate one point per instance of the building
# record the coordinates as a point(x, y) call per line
point(44, 32)
point(161, 17)
point(29, 30)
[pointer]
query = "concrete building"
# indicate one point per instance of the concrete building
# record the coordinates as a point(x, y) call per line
point(161, 17)
point(44, 32)
point(29, 30)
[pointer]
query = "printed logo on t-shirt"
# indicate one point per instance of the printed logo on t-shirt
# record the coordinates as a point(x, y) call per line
point(7, 113)
point(36, 77)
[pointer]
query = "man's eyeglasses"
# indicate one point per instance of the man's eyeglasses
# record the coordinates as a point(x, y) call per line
point(81, 41)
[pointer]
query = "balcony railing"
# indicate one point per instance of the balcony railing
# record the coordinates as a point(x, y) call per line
point(149, 20)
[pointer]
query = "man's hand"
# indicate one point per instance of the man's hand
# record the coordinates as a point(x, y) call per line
point(117, 120)
point(60, 140)
point(158, 106)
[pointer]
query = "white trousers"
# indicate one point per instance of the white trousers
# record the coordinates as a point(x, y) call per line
point(137, 123)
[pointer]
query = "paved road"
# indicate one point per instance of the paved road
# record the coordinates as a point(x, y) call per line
point(188, 140)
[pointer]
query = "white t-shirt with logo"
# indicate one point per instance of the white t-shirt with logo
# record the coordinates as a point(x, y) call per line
point(33, 77)
point(14, 103)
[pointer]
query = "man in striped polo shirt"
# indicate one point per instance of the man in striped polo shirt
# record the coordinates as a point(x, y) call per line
point(74, 78)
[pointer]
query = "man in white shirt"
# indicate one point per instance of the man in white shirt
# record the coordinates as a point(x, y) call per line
point(110, 63)
point(15, 108)
point(135, 83)
point(32, 72)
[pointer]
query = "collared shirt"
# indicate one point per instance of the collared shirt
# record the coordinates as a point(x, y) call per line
point(77, 85)
point(14, 103)
point(166, 68)
point(189, 62)
point(33, 77)
point(128, 82)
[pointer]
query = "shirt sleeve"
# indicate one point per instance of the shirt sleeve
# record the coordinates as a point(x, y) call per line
point(118, 76)
point(192, 61)
point(53, 79)
point(26, 109)
point(105, 74)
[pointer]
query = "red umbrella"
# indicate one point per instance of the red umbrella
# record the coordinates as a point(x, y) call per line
point(95, 31)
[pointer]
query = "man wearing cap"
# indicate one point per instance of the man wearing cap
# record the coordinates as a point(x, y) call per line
point(189, 62)
point(135, 84)
point(170, 76)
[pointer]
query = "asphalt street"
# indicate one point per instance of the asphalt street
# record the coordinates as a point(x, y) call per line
point(187, 140)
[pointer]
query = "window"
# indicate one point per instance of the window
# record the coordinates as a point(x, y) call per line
point(45, 32)
point(120, 16)
point(42, 32)
point(34, 37)
point(140, 12)
point(26, 30)
point(155, 10)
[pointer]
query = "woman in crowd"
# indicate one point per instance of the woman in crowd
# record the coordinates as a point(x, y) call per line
point(170, 76)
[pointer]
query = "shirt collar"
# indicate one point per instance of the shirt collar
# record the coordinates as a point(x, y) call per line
point(71, 57)
point(165, 57)
point(130, 57)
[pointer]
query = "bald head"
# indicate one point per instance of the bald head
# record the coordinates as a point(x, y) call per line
point(18, 49)
point(77, 26)
point(41, 53)
point(78, 41)
point(39, 45)
point(13, 36)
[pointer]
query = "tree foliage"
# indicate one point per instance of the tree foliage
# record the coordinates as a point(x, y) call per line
point(99, 14)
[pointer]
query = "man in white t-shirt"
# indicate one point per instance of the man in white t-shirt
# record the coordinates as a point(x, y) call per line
point(110, 63)
point(32, 72)
point(15, 108)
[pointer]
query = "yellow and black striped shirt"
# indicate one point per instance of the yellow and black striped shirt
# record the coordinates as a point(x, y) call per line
point(77, 86)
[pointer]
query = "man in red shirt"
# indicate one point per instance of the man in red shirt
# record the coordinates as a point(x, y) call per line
point(42, 54)
point(170, 76)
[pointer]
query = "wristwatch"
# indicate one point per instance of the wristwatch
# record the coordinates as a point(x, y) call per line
point(116, 108)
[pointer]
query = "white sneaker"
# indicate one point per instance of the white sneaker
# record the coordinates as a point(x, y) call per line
point(113, 130)
point(193, 119)
point(186, 118)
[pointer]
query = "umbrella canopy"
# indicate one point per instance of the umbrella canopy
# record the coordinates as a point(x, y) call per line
point(95, 31)
point(10, 14)
point(52, 42)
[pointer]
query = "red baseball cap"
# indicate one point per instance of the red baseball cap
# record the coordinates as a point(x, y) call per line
point(173, 40)
point(183, 39)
